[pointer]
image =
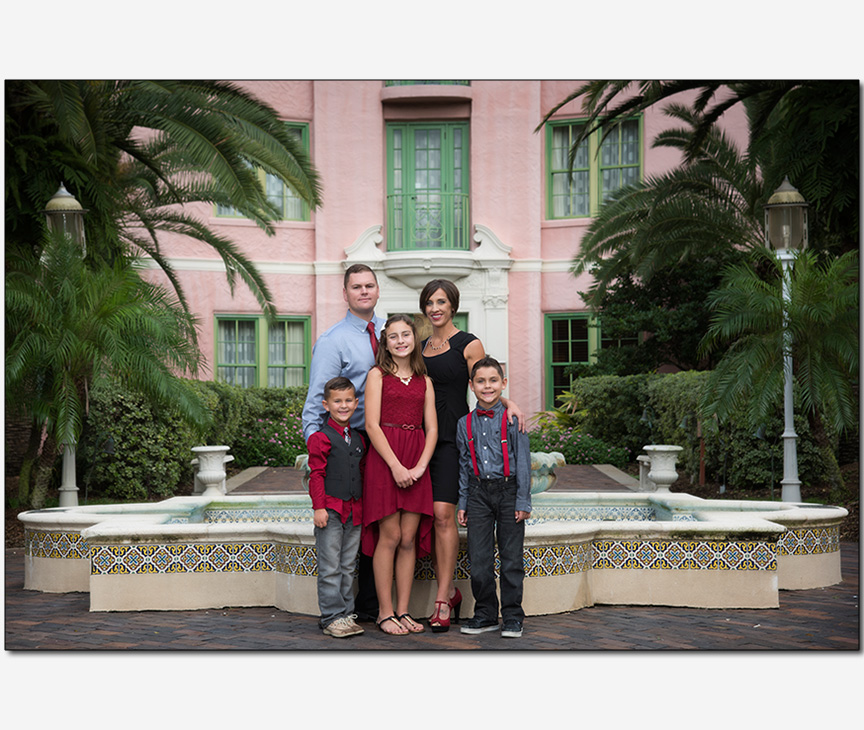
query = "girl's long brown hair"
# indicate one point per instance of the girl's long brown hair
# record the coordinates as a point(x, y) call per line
point(384, 359)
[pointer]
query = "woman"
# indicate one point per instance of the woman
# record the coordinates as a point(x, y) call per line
point(449, 355)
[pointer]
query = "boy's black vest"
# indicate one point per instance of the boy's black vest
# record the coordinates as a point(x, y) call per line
point(342, 479)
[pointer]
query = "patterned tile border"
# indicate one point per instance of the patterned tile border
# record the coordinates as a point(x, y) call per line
point(181, 558)
point(810, 541)
point(601, 513)
point(684, 555)
point(57, 545)
point(539, 561)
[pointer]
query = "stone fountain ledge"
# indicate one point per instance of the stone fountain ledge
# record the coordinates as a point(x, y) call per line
point(581, 548)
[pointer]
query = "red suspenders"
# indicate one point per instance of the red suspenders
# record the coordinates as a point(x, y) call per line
point(503, 444)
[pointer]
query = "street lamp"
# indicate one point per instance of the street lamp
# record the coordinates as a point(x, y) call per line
point(786, 233)
point(65, 214)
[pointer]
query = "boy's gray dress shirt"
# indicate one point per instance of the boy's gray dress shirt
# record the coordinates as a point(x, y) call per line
point(490, 455)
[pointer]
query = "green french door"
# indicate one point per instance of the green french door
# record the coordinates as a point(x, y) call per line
point(427, 186)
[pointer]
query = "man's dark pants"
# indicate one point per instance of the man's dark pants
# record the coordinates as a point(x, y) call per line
point(366, 601)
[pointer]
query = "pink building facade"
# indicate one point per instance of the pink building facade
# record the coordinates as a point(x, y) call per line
point(424, 180)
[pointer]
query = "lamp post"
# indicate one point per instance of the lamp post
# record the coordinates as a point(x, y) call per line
point(786, 233)
point(66, 215)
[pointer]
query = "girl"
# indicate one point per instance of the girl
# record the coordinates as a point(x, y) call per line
point(397, 497)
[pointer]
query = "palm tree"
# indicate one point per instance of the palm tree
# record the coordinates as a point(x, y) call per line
point(135, 152)
point(808, 130)
point(72, 324)
point(707, 208)
point(822, 316)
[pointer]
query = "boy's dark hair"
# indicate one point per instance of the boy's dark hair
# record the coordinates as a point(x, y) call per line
point(357, 269)
point(487, 362)
point(339, 383)
point(445, 285)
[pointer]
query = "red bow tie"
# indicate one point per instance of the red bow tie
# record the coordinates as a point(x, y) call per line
point(488, 414)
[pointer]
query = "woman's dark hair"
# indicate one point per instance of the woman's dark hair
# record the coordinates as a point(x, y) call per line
point(448, 287)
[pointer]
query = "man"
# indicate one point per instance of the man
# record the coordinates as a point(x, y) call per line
point(346, 349)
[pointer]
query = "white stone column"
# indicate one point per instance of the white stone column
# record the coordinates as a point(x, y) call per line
point(492, 261)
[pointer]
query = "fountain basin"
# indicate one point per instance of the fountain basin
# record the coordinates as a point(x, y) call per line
point(581, 549)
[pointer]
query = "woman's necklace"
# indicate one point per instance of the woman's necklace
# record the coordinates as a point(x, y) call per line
point(442, 345)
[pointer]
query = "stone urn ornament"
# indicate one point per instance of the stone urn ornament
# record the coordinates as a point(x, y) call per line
point(663, 458)
point(211, 468)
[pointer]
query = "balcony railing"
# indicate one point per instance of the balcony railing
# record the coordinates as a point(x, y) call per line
point(432, 83)
point(428, 220)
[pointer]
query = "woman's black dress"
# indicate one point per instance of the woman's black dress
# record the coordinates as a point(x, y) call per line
point(449, 374)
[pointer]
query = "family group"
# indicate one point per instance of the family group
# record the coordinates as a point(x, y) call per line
point(397, 459)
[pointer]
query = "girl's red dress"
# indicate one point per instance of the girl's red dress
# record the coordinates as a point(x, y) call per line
point(402, 423)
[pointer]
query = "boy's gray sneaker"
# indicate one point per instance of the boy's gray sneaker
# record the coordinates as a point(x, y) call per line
point(342, 627)
point(512, 629)
point(478, 626)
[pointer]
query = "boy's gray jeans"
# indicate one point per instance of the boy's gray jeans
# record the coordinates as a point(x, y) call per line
point(337, 545)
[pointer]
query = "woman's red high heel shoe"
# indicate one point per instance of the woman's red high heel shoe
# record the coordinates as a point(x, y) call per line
point(436, 623)
point(455, 606)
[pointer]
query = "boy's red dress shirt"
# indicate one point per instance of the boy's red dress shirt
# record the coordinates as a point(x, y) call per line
point(319, 451)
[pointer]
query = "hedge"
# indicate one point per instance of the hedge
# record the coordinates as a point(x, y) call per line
point(129, 451)
point(636, 410)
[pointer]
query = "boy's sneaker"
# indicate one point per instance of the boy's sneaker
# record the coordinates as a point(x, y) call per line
point(512, 629)
point(342, 627)
point(478, 626)
point(352, 622)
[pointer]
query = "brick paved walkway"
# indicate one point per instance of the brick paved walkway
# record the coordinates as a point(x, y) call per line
point(824, 618)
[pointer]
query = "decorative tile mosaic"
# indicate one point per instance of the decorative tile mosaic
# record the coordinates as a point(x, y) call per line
point(58, 545)
point(181, 558)
point(684, 555)
point(257, 514)
point(810, 541)
point(295, 559)
point(586, 513)
point(539, 561)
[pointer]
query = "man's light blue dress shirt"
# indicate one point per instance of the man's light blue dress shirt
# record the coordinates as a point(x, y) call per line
point(344, 350)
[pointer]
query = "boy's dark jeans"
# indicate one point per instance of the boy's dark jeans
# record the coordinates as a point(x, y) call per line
point(491, 508)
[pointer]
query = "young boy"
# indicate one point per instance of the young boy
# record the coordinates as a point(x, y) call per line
point(335, 485)
point(494, 492)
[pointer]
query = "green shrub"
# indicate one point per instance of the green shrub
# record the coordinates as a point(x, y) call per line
point(748, 462)
point(576, 447)
point(633, 411)
point(673, 402)
point(613, 409)
point(271, 442)
point(130, 451)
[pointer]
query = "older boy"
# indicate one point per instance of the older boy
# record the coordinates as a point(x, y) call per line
point(335, 485)
point(494, 497)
